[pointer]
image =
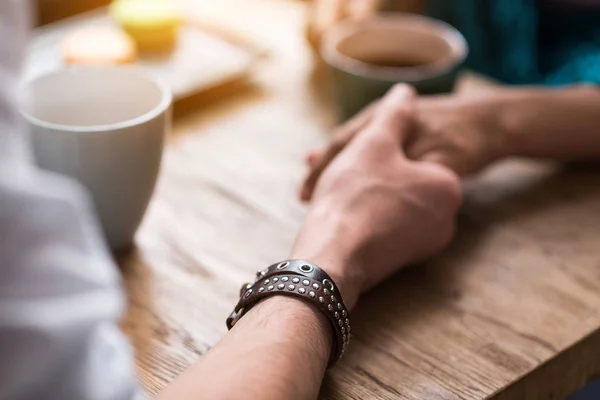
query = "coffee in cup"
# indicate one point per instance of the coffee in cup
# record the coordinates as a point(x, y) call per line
point(367, 57)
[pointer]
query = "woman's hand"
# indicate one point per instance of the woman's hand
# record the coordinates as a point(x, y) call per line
point(374, 210)
point(462, 134)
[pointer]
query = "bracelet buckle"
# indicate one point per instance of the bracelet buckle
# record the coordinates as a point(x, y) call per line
point(235, 317)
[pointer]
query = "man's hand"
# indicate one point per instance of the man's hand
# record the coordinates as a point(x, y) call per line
point(374, 210)
point(462, 134)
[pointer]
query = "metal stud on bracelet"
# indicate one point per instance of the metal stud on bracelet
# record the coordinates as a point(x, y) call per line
point(307, 282)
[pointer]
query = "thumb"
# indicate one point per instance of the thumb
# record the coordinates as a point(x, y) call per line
point(456, 164)
point(394, 116)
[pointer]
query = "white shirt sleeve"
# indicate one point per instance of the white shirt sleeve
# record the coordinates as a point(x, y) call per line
point(60, 293)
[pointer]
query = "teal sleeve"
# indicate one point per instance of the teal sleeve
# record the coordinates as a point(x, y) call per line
point(504, 40)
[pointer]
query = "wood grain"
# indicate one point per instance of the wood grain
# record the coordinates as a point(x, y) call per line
point(510, 311)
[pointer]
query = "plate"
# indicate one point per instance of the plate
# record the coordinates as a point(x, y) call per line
point(205, 58)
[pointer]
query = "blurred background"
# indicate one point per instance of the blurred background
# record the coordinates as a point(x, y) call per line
point(216, 53)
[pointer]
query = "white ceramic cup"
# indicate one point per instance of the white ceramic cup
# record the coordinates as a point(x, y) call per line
point(105, 127)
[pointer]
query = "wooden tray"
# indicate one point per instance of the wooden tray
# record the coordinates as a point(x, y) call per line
point(205, 59)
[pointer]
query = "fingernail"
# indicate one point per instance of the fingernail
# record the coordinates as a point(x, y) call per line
point(304, 194)
point(403, 91)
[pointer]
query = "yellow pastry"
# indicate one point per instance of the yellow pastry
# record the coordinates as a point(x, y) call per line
point(98, 45)
point(153, 24)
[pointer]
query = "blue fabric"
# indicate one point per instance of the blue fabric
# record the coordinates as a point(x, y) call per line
point(524, 42)
point(591, 392)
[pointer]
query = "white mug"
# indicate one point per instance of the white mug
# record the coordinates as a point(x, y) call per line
point(105, 127)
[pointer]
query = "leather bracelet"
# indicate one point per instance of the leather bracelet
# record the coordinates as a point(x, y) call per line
point(300, 279)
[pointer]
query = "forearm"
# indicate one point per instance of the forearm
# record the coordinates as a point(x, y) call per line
point(281, 347)
point(549, 123)
point(279, 350)
point(367, 220)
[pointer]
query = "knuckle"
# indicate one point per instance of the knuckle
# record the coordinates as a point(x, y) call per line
point(402, 89)
point(398, 112)
point(402, 110)
point(398, 98)
point(453, 191)
point(396, 109)
point(447, 184)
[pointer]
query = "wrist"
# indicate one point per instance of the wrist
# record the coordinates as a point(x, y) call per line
point(304, 281)
point(336, 267)
point(508, 109)
point(493, 115)
point(323, 242)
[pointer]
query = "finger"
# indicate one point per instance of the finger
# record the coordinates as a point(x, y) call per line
point(345, 135)
point(360, 120)
point(398, 104)
point(435, 158)
point(394, 116)
point(335, 147)
point(450, 198)
point(453, 163)
point(313, 158)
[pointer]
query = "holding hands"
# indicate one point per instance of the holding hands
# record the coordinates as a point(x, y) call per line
point(374, 209)
point(458, 133)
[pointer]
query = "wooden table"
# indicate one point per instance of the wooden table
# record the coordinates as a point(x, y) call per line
point(510, 311)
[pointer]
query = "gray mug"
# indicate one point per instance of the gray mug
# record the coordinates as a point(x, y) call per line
point(105, 127)
point(367, 57)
